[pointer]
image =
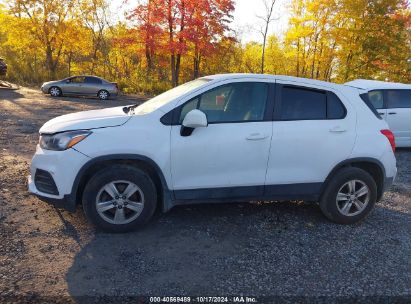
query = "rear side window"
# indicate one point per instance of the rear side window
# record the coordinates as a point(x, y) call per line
point(399, 98)
point(93, 80)
point(307, 104)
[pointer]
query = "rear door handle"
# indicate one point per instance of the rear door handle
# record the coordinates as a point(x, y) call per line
point(392, 113)
point(256, 136)
point(337, 130)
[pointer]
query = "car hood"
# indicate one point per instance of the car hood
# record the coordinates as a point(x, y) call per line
point(51, 82)
point(110, 117)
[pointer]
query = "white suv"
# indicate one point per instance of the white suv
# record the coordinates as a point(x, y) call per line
point(234, 137)
point(393, 103)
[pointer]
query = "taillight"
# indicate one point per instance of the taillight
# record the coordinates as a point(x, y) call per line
point(391, 138)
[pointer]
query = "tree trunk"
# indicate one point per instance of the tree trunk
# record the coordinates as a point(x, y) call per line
point(196, 63)
point(173, 70)
point(178, 64)
point(50, 65)
point(263, 54)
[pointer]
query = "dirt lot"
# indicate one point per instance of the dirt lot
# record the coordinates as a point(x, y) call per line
point(282, 249)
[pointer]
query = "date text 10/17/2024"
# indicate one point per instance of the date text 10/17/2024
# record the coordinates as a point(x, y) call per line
point(234, 299)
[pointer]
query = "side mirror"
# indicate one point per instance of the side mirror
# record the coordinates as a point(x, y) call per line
point(193, 119)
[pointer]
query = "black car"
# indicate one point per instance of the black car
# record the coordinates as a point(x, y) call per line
point(3, 67)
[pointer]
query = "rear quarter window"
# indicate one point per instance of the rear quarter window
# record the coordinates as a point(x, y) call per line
point(376, 98)
point(365, 98)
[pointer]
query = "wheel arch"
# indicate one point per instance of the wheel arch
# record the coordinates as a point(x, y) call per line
point(139, 161)
point(371, 165)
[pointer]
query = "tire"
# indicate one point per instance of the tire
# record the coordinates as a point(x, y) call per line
point(55, 91)
point(122, 214)
point(347, 209)
point(103, 95)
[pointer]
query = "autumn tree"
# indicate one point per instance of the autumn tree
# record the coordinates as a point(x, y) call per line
point(94, 15)
point(267, 18)
point(48, 25)
point(183, 24)
point(208, 24)
point(346, 39)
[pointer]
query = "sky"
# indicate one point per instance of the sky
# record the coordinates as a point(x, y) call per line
point(245, 22)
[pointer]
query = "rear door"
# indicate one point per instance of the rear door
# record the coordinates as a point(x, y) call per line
point(312, 132)
point(399, 115)
point(91, 85)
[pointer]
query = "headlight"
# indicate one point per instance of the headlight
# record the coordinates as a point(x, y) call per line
point(62, 141)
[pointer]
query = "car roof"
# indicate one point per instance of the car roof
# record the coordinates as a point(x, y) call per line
point(273, 77)
point(377, 85)
point(85, 76)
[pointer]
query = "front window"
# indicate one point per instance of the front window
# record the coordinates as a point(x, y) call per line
point(237, 102)
point(79, 79)
point(162, 99)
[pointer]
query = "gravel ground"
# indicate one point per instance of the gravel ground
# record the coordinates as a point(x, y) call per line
point(259, 249)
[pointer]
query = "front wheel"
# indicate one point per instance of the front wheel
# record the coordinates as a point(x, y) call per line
point(119, 198)
point(103, 95)
point(55, 91)
point(349, 196)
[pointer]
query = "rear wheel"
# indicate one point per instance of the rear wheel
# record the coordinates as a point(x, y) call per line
point(103, 95)
point(119, 198)
point(349, 196)
point(55, 91)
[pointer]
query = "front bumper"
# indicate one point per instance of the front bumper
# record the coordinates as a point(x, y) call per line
point(44, 89)
point(62, 167)
point(68, 202)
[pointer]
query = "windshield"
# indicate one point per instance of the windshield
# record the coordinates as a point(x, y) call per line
point(162, 99)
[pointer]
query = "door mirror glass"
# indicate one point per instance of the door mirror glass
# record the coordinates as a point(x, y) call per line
point(195, 119)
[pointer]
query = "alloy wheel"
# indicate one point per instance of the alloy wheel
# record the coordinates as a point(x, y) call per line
point(55, 92)
point(103, 95)
point(353, 198)
point(120, 202)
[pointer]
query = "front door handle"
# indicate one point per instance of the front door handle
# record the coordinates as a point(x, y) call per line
point(381, 113)
point(337, 130)
point(256, 136)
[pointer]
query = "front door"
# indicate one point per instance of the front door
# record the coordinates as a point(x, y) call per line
point(74, 85)
point(228, 158)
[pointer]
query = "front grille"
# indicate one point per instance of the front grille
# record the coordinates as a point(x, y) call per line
point(45, 183)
